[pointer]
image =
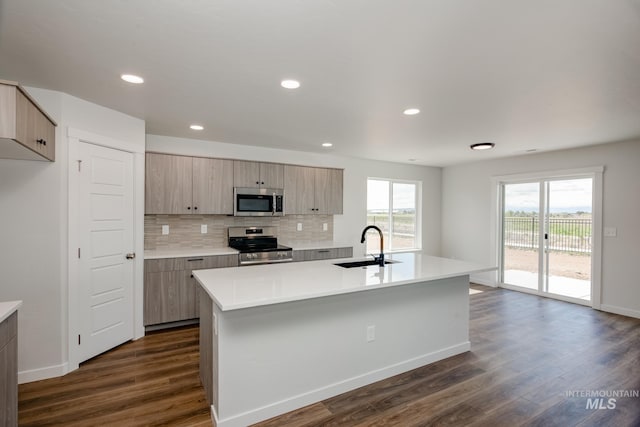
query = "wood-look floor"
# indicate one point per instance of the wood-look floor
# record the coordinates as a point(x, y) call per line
point(526, 353)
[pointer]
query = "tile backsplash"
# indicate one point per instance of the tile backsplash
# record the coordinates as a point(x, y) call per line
point(184, 230)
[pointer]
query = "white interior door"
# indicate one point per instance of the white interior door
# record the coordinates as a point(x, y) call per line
point(106, 275)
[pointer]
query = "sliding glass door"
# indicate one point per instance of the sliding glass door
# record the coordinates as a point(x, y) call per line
point(546, 237)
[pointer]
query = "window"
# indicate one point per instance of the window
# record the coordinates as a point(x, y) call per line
point(392, 205)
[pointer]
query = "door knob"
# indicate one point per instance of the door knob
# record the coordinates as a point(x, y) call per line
point(131, 255)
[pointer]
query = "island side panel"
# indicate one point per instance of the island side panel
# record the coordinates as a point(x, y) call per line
point(208, 349)
point(277, 358)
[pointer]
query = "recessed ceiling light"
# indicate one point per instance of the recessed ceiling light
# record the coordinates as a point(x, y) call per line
point(482, 146)
point(196, 127)
point(132, 78)
point(290, 84)
point(412, 160)
point(327, 144)
point(411, 111)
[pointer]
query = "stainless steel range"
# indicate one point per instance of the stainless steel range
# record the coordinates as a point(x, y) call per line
point(258, 245)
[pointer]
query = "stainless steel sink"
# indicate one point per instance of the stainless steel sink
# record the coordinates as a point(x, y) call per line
point(366, 263)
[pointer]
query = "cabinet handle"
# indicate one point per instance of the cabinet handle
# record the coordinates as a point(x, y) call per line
point(262, 183)
point(41, 141)
point(195, 208)
point(192, 276)
point(324, 251)
point(188, 208)
point(258, 182)
point(195, 259)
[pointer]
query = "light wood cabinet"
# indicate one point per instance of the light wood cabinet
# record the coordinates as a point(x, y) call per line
point(26, 131)
point(171, 292)
point(9, 371)
point(212, 186)
point(258, 174)
point(168, 184)
point(318, 254)
point(188, 185)
point(311, 190)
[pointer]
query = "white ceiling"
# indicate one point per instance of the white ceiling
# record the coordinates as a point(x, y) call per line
point(527, 75)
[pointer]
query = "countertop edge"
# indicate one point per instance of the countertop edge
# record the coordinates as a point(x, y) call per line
point(232, 307)
point(7, 308)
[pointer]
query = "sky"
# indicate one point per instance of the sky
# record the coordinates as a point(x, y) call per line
point(565, 196)
point(404, 195)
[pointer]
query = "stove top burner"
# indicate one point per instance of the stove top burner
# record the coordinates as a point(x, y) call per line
point(258, 245)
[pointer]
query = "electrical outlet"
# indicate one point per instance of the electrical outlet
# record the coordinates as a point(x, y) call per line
point(165, 230)
point(299, 227)
point(325, 226)
point(371, 333)
point(203, 229)
point(610, 232)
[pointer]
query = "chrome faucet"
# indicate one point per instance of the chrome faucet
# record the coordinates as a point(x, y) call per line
point(380, 258)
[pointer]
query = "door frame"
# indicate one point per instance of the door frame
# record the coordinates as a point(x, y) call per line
point(74, 138)
point(596, 173)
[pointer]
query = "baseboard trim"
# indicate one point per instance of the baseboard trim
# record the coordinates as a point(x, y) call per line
point(620, 310)
point(42, 373)
point(304, 399)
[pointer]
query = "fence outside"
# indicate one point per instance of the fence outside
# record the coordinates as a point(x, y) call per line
point(565, 234)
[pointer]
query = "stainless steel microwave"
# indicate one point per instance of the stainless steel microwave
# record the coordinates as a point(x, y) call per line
point(258, 201)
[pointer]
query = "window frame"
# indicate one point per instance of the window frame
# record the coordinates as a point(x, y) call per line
point(418, 213)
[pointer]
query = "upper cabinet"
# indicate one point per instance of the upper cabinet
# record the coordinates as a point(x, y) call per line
point(312, 190)
point(258, 174)
point(188, 185)
point(26, 131)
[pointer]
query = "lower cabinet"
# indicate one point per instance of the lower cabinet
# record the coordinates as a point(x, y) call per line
point(9, 371)
point(317, 254)
point(170, 291)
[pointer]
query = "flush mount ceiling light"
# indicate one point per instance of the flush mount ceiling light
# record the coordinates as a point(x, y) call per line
point(410, 111)
point(327, 144)
point(131, 78)
point(196, 127)
point(290, 84)
point(482, 146)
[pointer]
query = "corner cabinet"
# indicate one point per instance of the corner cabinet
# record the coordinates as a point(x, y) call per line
point(311, 190)
point(26, 131)
point(258, 174)
point(171, 292)
point(188, 185)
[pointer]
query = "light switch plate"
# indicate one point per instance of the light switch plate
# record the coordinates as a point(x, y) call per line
point(203, 229)
point(299, 227)
point(165, 230)
point(610, 232)
point(325, 226)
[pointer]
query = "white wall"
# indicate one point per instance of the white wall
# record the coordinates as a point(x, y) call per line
point(467, 212)
point(33, 234)
point(347, 227)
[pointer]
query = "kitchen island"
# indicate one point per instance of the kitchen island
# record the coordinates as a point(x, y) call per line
point(274, 338)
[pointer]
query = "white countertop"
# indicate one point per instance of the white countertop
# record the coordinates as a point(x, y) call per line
point(187, 252)
point(244, 287)
point(7, 308)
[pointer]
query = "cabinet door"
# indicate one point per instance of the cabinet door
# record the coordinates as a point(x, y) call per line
point(212, 186)
point(271, 175)
point(9, 371)
point(329, 191)
point(169, 296)
point(246, 174)
point(168, 184)
point(299, 184)
point(46, 133)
